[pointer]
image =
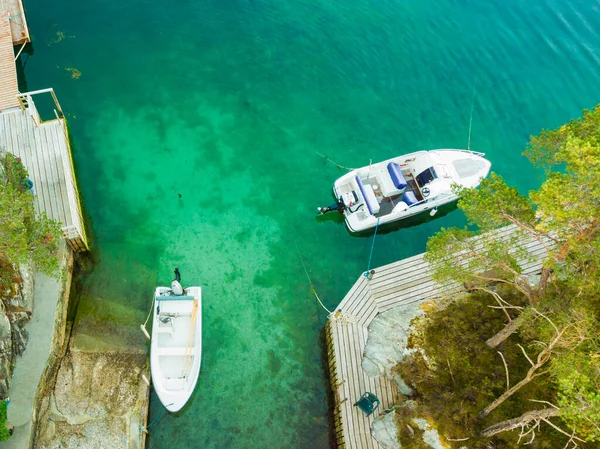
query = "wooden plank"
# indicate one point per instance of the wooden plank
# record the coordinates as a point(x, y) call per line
point(18, 23)
point(358, 285)
point(9, 87)
point(65, 209)
point(358, 296)
point(402, 282)
point(44, 152)
point(343, 370)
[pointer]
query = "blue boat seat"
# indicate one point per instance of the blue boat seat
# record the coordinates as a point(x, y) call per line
point(396, 174)
point(369, 196)
point(174, 298)
point(409, 197)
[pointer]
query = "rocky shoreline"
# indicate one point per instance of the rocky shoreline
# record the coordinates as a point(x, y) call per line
point(88, 396)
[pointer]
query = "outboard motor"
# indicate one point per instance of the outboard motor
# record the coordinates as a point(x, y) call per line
point(344, 202)
point(176, 287)
point(339, 206)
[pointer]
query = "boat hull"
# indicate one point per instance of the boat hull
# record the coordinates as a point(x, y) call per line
point(406, 186)
point(176, 345)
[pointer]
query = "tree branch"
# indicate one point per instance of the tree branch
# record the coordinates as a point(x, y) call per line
point(521, 421)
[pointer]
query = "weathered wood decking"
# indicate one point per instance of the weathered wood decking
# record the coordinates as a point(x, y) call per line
point(45, 152)
point(400, 283)
point(8, 72)
point(18, 24)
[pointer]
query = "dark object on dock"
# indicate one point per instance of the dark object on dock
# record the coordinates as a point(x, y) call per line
point(177, 275)
point(368, 402)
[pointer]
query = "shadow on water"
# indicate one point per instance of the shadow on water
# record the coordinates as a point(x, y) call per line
point(387, 228)
point(21, 63)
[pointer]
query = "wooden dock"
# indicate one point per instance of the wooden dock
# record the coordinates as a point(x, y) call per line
point(400, 283)
point(8, 72)
point(44, 148)
point(18, 25)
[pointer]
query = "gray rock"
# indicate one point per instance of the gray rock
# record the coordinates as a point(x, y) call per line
point(384, 430)
point(386, 345)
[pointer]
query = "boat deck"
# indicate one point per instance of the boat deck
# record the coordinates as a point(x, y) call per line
point(401, 283)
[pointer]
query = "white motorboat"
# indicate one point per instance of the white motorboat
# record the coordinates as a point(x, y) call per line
point(176, 343)
point(405, 186)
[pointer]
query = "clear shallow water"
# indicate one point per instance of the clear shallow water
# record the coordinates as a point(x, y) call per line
point(227, 103)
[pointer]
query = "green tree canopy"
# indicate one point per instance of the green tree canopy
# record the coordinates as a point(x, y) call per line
point(550, 343)
point(25, 236)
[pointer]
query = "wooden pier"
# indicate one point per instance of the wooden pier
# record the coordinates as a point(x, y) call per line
point(42, 145)
point(16, 16)
point(44, 148)
point(8, 72)
point(400, 283)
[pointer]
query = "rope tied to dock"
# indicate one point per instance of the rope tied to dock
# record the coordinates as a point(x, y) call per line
point(370, 273)
point(157, 419)
point(338, 315)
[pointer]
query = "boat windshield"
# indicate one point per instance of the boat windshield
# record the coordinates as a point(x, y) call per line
point(426, 176)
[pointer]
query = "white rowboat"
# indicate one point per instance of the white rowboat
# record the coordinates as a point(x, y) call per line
point(176, 345)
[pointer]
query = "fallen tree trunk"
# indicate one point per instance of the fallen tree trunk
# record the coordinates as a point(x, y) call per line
point(505, 332)
point(521, 421)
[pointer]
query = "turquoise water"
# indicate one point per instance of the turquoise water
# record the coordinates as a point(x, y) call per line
point(196, 128)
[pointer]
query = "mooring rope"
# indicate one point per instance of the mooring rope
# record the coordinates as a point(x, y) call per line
point(333, 162)
point(158, 418)
point(338, 315)
point(368, 274)
point(151, 309)
point(312, 287)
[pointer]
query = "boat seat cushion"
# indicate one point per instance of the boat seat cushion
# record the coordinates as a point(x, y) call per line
point(174, 298)
point(369, 196)
point(409, 197)
point(396, 174)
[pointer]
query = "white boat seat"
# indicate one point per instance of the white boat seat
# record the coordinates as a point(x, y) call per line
point(173, 384)
point(178, 351)
point(166, 329)
point(369, 196)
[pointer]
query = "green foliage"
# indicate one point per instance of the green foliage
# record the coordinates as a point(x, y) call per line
point(495, 204)
point(25, 237)
point(4, 433)
point(16, 173)
point(460, 375)
point(546, 149)
point(577, 374)
point(456, 255)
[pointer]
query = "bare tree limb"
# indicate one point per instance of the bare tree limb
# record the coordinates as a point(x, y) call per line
point(573, 437)
point(525, 354)
point(505, 332)
point(542, 358)
point(506, 370)
point(523, 420)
